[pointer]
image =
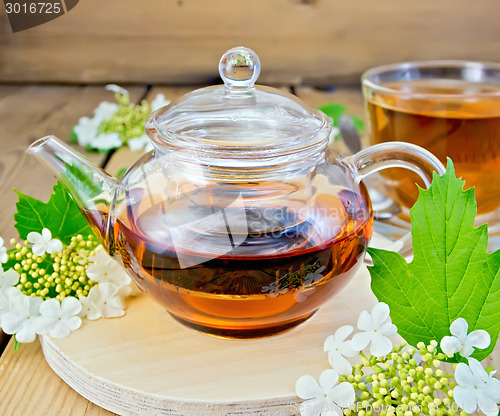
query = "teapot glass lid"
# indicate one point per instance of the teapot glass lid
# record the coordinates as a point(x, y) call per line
point(238, 113)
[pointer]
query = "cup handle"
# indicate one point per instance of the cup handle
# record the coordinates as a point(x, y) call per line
point(397, 155)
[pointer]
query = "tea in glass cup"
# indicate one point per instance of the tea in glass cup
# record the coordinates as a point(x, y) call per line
point(451, 108)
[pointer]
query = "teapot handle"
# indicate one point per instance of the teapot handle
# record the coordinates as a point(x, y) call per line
point(401, 155)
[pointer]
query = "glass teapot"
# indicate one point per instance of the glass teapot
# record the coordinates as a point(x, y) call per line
point(240, 222)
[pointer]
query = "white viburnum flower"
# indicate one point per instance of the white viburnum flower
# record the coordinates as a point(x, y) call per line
point(106, 299)
point(326, 398)
point(338, 348)
point(105, 111)
point(106, 141)
point(44, 243)
point(58, 319)
point(143, 142)
point(461, 342)
point(129, 290)
point(89, 310)
point(139, 143)
point(159, 102)
point(333, 134)
point(21, 317)
point(8, 279)
point(107, 270)
point(3, 252)
point(476, 388)
point(116, 89)
point(376, 327)
point(5, 296)
point(87, 129)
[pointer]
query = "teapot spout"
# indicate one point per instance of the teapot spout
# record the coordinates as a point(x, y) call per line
point(91, 187)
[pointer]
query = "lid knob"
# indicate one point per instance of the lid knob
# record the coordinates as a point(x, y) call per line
point(239, 67)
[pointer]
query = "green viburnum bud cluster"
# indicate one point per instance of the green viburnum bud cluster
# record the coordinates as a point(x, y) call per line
point(129, 119)
point(56, 275)
point(399, 385)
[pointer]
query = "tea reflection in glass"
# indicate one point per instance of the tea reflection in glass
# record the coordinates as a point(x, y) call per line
point(453, 110)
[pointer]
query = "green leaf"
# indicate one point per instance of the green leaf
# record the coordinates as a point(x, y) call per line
point(451, 275)
point(73, 137)
point(121, 173)
point(358, 123)
point(11, 262)
point(332, 110)
point(17, 344)
point(84, 180)
point(60, 215)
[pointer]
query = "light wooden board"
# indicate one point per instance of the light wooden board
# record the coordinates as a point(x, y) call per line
point(298, 41)
point(186, 362)
point(146, 363)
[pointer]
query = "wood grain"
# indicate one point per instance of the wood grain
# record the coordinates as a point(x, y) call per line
point(27, 384)
point(147, 363)
point(299, 41)
point(28, 113)
point(350, 97)
point(147, 329)
point(29, 387)
point(124, 157)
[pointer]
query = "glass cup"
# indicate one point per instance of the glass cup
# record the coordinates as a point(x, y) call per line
point(451, 108)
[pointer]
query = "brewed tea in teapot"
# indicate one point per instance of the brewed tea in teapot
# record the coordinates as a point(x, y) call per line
point(241, 222)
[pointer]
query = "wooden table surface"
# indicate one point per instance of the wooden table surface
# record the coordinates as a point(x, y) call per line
point(27, 384)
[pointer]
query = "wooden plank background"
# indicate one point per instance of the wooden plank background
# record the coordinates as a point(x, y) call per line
point(179, 42)
point(28, 113)
point(54, 110)
point(298, 41)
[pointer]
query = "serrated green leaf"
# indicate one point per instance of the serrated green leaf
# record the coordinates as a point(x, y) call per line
point(60, 215)
point(451, 275)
